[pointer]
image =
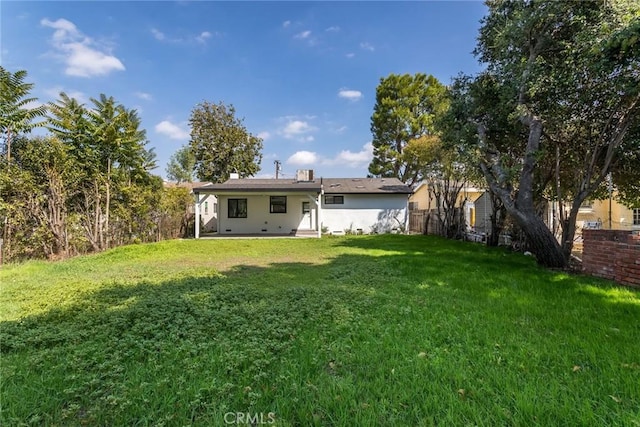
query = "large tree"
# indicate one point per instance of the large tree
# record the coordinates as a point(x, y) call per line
point(221, 144)
point(571, 101)
point(405, 109)
point(109, 146)
point(15, 114)
point(45, 179)
point(181, 165)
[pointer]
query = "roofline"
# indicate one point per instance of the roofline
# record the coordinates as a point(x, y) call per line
point(286, 190)
point(368, 192)
point(256, 190)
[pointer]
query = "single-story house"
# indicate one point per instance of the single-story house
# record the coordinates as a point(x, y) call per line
point(307, 206)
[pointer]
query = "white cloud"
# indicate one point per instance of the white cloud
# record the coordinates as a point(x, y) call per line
point(34, 103)
point(348, 158)
point(264, 135)
point(303, 158)
point(202, 38)
point(144, 95)
point(171, 130)
point(303, 35)
point(298, 129)
point(189, 38)
point(54, 92)
point(350, 55)
point(285, 24)
point(356, 159)
point(333, 29)
point(82, 55)
point(367, 46)
point(159, 35)
point(351, 95)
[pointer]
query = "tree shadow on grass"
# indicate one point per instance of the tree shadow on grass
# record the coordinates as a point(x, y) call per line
point(477, 261)
point(198, 346)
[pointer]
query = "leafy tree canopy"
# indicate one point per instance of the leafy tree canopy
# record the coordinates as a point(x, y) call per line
point(562, 84)
point(15, 114)
point(181, 165)
point(221, 144)
point(405, 110)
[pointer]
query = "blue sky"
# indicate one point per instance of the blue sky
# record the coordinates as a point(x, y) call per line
point(303, 75)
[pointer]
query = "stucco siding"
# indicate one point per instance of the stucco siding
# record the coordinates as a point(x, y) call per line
point(259, 220)
point(368, 212)
point(621, 216)
point(208, 212)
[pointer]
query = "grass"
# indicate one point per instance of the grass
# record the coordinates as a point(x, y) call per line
point(357, 330)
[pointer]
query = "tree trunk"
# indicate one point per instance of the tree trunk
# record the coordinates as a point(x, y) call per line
point(497, 219)
point(96, 234)
point(9, 146)
point(107, 203)
point(541, 240)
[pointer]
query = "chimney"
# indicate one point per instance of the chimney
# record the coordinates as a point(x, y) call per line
point(303, 175)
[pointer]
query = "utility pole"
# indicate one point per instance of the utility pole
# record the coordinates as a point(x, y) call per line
point(278, 167)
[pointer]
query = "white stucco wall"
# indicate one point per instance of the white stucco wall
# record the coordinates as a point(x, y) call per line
point(208, 212)
point(369, 212)
point(260, 221)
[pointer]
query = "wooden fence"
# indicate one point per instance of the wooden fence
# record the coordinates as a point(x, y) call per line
point(418, 222)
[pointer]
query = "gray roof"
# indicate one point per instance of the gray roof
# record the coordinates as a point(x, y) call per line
point(330, 186)
point(365, 186)
point(250, 184)
point(189, 185)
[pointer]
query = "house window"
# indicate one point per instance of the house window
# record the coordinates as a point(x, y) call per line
point(215, 208)
point(587, 206)
point(278, 204)
point(306, 208)
point(237, 208)
point(636, 216)
point(334, 200)
point(206, 208)
point(413, 206)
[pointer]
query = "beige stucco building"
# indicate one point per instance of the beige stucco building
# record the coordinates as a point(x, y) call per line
point(608, 214)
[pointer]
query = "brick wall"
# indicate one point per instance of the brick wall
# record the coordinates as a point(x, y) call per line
point(612, 254)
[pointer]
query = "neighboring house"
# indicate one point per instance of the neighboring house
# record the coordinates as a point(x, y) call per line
point(608, 215)
point(207, 202)
point(307, 206)
point(483, 210)
point(420, 200)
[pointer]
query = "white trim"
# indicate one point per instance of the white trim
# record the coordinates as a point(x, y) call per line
point(197, 216)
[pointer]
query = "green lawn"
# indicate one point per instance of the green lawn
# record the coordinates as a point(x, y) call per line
point(385, 330)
